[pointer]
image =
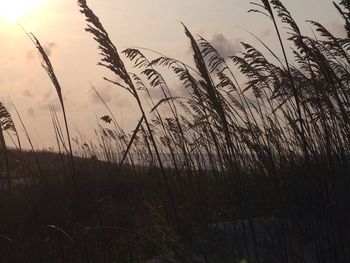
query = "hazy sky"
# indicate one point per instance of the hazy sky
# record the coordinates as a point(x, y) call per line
point(153, 24)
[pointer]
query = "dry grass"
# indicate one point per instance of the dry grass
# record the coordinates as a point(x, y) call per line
point(275, 146)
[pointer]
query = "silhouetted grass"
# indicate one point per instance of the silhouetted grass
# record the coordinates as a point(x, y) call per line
point(257, 170)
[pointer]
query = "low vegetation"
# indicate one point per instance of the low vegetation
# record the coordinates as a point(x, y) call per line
point(251, 165)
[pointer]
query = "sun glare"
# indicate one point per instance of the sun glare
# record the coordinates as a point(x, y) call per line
point(13, 10)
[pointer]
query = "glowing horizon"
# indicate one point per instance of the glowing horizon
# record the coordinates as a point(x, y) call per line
point(13, 10)
point(60, 28)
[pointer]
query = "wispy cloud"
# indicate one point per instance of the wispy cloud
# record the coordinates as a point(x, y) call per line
point(49, 48)
point(47, 95)
point(105, 92)
point(28, 93)
point(30, 55)
point(33, 54)
point(224, 46)
point(55, 103)
point(31, 112)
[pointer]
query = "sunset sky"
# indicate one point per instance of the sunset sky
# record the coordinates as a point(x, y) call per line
point(152, 24)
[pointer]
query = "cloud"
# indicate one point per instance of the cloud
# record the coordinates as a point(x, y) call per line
point(224, 46)
point(105, 92)
point(49, 47)
point(31, 112)
point(54, 103)
point(28, 93)
point(30, 55)
point(47, 95)
point(49, 100)
point(267, 32)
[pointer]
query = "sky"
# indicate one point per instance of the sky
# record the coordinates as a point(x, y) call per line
point(153, 24)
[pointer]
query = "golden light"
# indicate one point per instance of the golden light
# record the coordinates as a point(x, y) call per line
point(13, 10)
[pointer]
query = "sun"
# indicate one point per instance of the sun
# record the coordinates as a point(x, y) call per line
point(13, 10)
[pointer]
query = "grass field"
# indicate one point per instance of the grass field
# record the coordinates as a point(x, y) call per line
point(251, 165)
